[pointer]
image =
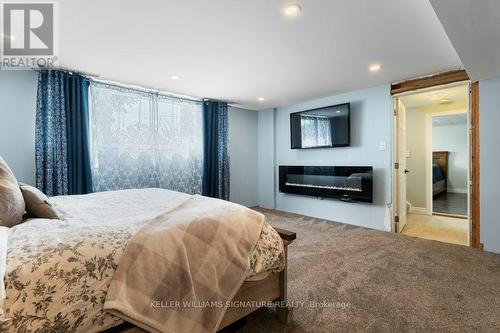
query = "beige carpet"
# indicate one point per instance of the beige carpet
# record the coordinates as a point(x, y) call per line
point(393, 283)
point(441, 228)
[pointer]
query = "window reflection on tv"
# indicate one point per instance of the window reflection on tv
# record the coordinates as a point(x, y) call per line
point(321, 128)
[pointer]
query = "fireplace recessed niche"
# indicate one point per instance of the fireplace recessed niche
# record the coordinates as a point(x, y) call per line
point(346, 183)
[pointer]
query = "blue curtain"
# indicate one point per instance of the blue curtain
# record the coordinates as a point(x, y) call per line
point(51, 154)
point(215, 157)
point(61, 134)
point(78, 139)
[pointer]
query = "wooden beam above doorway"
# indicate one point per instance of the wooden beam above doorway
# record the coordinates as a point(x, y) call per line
point(429, 81)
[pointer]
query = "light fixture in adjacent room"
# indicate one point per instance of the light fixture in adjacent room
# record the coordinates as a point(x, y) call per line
point(175, 77)
point(445, 101)
point(375, 68)
point(7, 36)
point(292, 10)
point(261, 99)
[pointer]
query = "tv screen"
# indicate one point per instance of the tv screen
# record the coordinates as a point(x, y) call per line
point(321, 128)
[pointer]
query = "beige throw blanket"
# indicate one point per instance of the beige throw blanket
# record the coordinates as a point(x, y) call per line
point(179, 270)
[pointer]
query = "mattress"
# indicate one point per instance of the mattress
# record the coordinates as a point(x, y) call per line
point(439, 187)
point(57, 271)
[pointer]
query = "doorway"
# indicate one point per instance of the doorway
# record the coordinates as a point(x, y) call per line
point(450, 156)
point(432, 163)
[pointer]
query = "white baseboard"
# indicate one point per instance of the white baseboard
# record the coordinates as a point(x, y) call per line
point(457, 190)
point(419, 210)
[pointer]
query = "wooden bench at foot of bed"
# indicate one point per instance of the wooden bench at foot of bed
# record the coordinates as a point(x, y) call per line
point(272, 288)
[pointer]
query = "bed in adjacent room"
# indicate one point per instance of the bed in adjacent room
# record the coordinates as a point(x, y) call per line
point(439, 172)
point(58, 272)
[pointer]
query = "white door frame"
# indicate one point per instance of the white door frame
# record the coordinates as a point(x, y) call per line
point(394, 142)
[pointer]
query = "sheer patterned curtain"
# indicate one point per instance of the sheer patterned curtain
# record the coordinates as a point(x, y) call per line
point(316, 130)
point(144, 140)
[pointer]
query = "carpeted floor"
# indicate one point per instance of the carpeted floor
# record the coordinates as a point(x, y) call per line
point(391, 283)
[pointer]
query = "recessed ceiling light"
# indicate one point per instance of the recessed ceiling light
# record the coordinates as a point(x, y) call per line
point(175, 77)
point(338, 111)
point(375, 68)
point(292, 10)
point(261, 99)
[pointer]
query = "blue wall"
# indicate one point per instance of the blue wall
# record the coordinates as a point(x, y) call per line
point(260, 141)
point(489, 128)
point(17, 122)
point(243, 127)
point(17, 136)
point(370, 124)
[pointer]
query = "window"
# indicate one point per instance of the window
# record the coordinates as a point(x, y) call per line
point(316, 131)
point(142, 140)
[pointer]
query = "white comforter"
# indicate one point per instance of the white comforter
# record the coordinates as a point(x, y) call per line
point(57, 272)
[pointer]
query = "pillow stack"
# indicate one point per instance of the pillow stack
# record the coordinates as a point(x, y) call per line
point(12, 205)
point(18, 198)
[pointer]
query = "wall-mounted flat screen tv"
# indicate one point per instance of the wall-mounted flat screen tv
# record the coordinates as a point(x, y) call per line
point(321, 128)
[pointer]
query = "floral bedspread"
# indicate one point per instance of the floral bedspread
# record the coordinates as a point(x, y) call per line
point(58, 271)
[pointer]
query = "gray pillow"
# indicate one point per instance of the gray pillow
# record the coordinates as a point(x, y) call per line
point(11, 198)
point(37, 203)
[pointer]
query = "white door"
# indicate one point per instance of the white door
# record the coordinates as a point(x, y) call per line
point(401, 163)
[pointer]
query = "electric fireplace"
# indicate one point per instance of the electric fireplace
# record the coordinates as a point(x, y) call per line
point(347, 183)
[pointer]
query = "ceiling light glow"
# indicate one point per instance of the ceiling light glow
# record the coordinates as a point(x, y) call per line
point(375, 68)
point(175, 77)
point(261, 99)
point(292, 10)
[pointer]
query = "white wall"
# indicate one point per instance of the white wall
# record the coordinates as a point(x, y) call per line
point(266, 159)
point(453, 139)
point(243, 151)
point(489, 114)
point(416, 143)
point(17, 122)
point(370, 123)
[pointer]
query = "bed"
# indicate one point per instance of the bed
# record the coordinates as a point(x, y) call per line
point(439, 172)
point(58, 272)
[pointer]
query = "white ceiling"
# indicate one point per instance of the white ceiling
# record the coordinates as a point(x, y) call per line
point(238, 50)
point(453, 96)
point(450, 120)
point(474, 29)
